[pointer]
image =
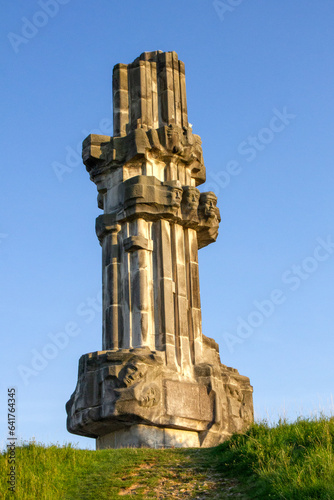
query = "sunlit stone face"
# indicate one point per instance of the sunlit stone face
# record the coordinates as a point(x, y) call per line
point(132, 373)
point(176, 196)
point(190, 198)
point(209, 204)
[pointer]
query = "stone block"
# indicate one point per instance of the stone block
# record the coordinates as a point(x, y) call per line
point(144, 436)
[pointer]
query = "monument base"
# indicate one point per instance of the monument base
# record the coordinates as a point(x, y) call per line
point(148, 436)
point(132, 398)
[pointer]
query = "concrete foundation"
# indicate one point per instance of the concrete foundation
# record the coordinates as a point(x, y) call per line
point(148, 436)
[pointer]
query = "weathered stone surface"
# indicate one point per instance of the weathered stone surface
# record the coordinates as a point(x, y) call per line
point(209, 219)
point(157, 81)
point(159, 381)
point(148, 436)
point(117, 388)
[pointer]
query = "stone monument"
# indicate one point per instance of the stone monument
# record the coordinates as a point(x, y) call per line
point(158, 381)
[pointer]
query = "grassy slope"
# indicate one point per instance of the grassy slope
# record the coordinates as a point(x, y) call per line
point(67, 473)
point(290, 461)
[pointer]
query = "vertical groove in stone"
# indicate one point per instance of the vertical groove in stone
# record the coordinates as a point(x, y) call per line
point(114, 288)
point(143, 91)
point(120, 299)
point(133, 278)
point(120, 99)
point(181, 292)
point(135, 95)
point(176, 302)
point(134, 312)
point(183, 94)
point(144, 295)
point(149, 106)
point(166, 304)
point(166, 89)
point(161, 88)
point(106, 257)
point(187, 177)
point(141, 288)
point(155, 100)
point(126, 284)
point(110, 292)
point(181, 174)
point(157, 287)
point(176, 85)
point(160, 288)
point(170, 89)
point(150, 291)
point(195, 294)
point(189, 296)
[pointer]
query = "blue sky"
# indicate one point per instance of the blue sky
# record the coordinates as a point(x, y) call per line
point(259, 79)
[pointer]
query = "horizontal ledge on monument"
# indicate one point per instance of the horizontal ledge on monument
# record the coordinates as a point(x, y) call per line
point(134, 243)
point(102, 154)
point(112, 354)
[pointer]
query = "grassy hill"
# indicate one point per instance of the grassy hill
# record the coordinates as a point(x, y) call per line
point(289, 461)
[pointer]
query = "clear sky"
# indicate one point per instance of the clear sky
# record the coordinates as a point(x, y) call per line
point(260, 94)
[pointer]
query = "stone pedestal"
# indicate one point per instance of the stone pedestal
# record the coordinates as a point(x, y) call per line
point(148, 436)
point(159, 381)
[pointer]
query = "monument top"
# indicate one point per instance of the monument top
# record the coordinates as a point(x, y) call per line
point(149, 93)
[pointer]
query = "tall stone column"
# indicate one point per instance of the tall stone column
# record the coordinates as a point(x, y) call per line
point(158, 381)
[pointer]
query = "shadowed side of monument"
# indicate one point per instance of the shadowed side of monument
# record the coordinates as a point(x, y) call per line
point(158, 382)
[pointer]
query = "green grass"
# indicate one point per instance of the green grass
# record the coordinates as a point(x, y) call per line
point(68, 473)
point(289, 461)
